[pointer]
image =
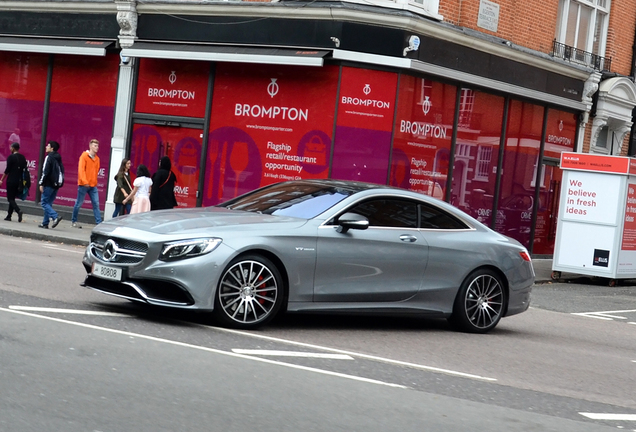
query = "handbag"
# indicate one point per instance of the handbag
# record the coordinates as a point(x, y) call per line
point(24, 185)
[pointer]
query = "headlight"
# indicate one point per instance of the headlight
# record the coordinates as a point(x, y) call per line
point(188, 248)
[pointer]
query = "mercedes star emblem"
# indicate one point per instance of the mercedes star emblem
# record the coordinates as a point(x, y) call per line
point(110, 250)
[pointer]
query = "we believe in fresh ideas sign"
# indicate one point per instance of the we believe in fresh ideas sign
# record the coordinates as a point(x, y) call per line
point(586, 192)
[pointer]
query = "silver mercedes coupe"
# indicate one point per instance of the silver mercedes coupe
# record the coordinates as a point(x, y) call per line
point(314, 246)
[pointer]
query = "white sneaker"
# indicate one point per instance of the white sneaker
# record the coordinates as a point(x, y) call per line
point(76, 225)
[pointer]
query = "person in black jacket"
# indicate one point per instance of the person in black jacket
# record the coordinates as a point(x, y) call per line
point(163, 181)
point(47, 185)
point(16, 163)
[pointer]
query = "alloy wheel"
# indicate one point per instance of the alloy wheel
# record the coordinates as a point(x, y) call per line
point(484, 301)
point(248, 292)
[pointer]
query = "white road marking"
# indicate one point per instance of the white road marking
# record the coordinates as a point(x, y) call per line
point(211, 350)
point(57, 248)
point(292, 354)
point(591, 315)
point(358, 355)
point(318, 347)
point(607, 416)
point(605, 315)
point(66, 311)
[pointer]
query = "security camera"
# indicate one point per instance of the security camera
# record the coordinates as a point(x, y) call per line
point(414, 44)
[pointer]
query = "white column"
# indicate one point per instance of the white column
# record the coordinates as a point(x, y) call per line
point(127, 20)
point(120, 129)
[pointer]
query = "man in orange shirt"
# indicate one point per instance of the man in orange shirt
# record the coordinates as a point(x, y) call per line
point(87, 171)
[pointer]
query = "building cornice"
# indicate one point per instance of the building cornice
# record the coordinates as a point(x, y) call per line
point(383, 18)
point(322, 11)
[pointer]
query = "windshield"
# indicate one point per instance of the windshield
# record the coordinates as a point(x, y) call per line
point(299, 200)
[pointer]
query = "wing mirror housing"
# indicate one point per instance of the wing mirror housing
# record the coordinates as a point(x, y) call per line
point(352, 221)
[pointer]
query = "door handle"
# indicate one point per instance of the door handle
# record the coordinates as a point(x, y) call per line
point(408, 238)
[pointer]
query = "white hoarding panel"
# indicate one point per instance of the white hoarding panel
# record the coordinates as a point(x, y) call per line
point(627, 264)
point(586, 248)
point(590, 197)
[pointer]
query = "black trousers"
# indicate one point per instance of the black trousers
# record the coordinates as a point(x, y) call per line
point(12, 193)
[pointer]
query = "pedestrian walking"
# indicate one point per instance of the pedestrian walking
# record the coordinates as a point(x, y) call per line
point(140, 195)
point(162, 195)
point(16, 164)
point(50, 183)
point(124, 188)
point(87, 171)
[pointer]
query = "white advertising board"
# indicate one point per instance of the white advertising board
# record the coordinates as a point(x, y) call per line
point(590, 197)
point(587, 248)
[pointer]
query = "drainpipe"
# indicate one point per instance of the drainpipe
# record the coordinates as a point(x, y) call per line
point(631, 147)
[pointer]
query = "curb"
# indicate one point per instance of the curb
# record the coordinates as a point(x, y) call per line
point(43, 236)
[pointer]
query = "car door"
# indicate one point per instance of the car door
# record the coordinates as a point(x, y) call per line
point(384, 263)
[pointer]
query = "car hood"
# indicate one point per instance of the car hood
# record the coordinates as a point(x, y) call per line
point(185, 221)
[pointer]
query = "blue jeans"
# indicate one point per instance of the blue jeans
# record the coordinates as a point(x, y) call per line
point(119, 207)
point(46, 201)
point(92, 194)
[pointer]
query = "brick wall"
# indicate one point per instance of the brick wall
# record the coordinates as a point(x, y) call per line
point(528, 23)
point(620, 37)
point(532, 24)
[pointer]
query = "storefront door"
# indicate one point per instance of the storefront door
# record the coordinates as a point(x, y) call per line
point(182, 145)
point(548, 210)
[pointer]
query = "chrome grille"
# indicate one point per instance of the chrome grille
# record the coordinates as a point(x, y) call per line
point(118, 251)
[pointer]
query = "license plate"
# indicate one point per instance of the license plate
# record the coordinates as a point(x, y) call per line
point(105, 272)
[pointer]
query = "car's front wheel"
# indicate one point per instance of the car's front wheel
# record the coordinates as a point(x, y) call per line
point(249, 294)
point(480, 302)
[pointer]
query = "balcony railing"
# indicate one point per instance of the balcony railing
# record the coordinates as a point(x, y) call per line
point(576, 55)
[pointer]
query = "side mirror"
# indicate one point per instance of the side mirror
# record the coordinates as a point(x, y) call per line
point(352, 221)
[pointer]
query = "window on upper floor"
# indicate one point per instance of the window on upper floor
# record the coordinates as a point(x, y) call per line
point(582, 25)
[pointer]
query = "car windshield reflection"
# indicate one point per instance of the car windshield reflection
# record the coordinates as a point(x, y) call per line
point(296, 200)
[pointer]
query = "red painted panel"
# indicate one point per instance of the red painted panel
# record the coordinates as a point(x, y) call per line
point(85, 80)
point(367, 99)
point(422, 137)
point(269, 123)
point(172, 87)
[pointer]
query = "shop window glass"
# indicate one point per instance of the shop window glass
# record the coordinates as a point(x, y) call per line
point(363, 128)
point(547, 215)
point(477, 154)
point(82, 107)
point(521, 156)
point(183, 147)
point(484, 158)
point(268, 124)
point(560, 133)
point(22, 91)
point(422, 135)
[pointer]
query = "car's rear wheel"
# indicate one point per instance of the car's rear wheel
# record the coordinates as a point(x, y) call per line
point(480, 302)
point(249, 294)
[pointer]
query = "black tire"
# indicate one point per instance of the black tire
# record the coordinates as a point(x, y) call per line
point(480, 302)
point(249, 294)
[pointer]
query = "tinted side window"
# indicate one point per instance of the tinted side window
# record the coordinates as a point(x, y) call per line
point(434, 218)
point(388, 213)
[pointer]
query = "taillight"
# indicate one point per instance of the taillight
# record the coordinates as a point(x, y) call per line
point(525, 256)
